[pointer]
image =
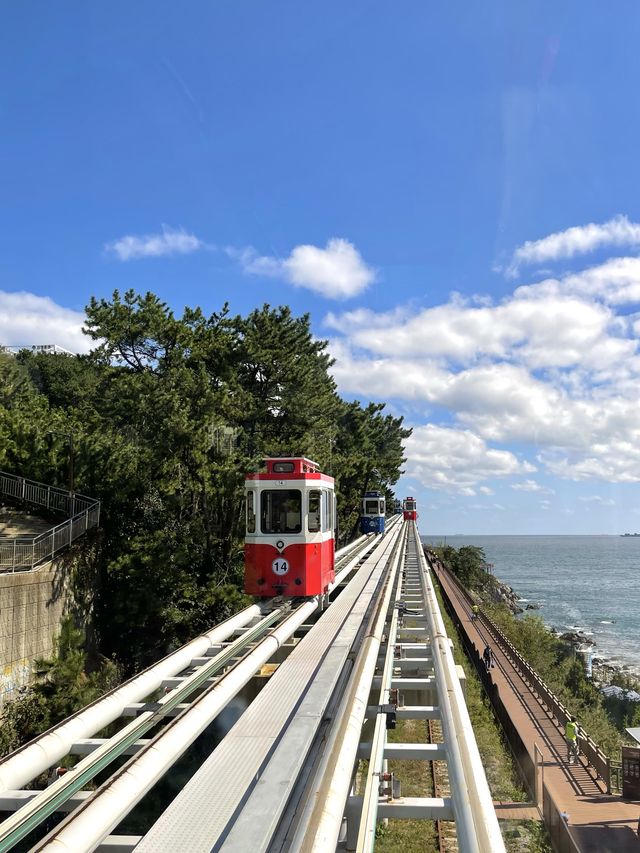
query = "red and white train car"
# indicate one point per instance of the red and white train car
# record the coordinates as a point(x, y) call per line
point(289, 545)
point(409, 509)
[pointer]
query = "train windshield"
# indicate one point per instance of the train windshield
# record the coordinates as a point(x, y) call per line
point(371, 507)
point(281, 511)
point(410, 505)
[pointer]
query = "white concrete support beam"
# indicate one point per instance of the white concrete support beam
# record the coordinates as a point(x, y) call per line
point(406, 751)
point(119, 844)
point(89, 744)
point(11, 801)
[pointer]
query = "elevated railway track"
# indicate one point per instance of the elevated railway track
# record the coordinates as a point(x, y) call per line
point(283, 777)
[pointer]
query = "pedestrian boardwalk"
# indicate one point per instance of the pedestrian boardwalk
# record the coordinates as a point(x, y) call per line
point(599, 822)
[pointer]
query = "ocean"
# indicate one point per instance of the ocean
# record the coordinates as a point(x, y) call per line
point(587, 583)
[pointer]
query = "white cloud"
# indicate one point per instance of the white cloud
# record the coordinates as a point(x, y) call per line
point(614, 282)
point(27, 319)
point(539, 330)
point(172, 241)
point(597, 499)
point(527, 486)
point(485, 490)
point(337, 271)
point(578, 240)
point(553, 369)
point(457, 460)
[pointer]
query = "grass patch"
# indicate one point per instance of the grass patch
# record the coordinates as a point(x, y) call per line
point(410, 836)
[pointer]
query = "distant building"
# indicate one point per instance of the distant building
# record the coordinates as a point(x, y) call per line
point(53, 349)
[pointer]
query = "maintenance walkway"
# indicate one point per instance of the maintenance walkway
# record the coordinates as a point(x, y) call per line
point(598, 822)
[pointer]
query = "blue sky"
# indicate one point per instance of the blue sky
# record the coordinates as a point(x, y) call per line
point(450, 189)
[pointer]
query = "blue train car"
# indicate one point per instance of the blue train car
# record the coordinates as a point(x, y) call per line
point(372, 517)
point(397, 506)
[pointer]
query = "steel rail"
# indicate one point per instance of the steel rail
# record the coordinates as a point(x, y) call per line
point(95, 818)
point(476, 822)
point(432, 726)
point(321, 821)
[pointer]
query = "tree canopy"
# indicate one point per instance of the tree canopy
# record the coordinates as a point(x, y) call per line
point(167, 414)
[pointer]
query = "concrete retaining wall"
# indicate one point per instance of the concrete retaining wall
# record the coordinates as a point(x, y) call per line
point(31, 607)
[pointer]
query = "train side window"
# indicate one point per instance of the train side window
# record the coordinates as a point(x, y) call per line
point(382, 506)
point(281, 511)
point(327, 510)
point(314, 511)
point(251, 513)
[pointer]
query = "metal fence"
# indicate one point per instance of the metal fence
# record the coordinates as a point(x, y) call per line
point(557, 824)
point(26, 553)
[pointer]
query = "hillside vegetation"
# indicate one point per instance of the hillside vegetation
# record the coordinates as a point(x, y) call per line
point(554, 660)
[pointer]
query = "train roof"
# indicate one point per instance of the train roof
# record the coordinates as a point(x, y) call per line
point(290, 468)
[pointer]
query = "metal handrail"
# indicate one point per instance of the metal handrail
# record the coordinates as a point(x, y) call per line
point(26, 553)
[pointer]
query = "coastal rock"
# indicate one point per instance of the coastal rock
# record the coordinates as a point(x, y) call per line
point(576, 638)
point(532, 607)
point(505, 594)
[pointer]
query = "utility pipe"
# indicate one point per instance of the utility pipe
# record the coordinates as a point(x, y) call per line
point(42, 752)
point(46, 802)
point(34, 758)
point(89, 824)
point(85, 828)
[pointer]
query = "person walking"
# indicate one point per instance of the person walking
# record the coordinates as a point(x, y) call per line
point(474, 612)
point(487, 657)
point(571, 735)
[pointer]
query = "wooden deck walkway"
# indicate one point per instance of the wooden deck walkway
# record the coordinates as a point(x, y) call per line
point(599, 822)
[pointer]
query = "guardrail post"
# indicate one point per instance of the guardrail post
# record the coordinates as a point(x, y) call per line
point(48, 496)
point(13, 568)
point(538, 787)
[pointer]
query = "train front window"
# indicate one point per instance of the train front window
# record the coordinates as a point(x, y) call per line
point(371, 507)
point(281, 511)
point(314, 511)
point(251, 513)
